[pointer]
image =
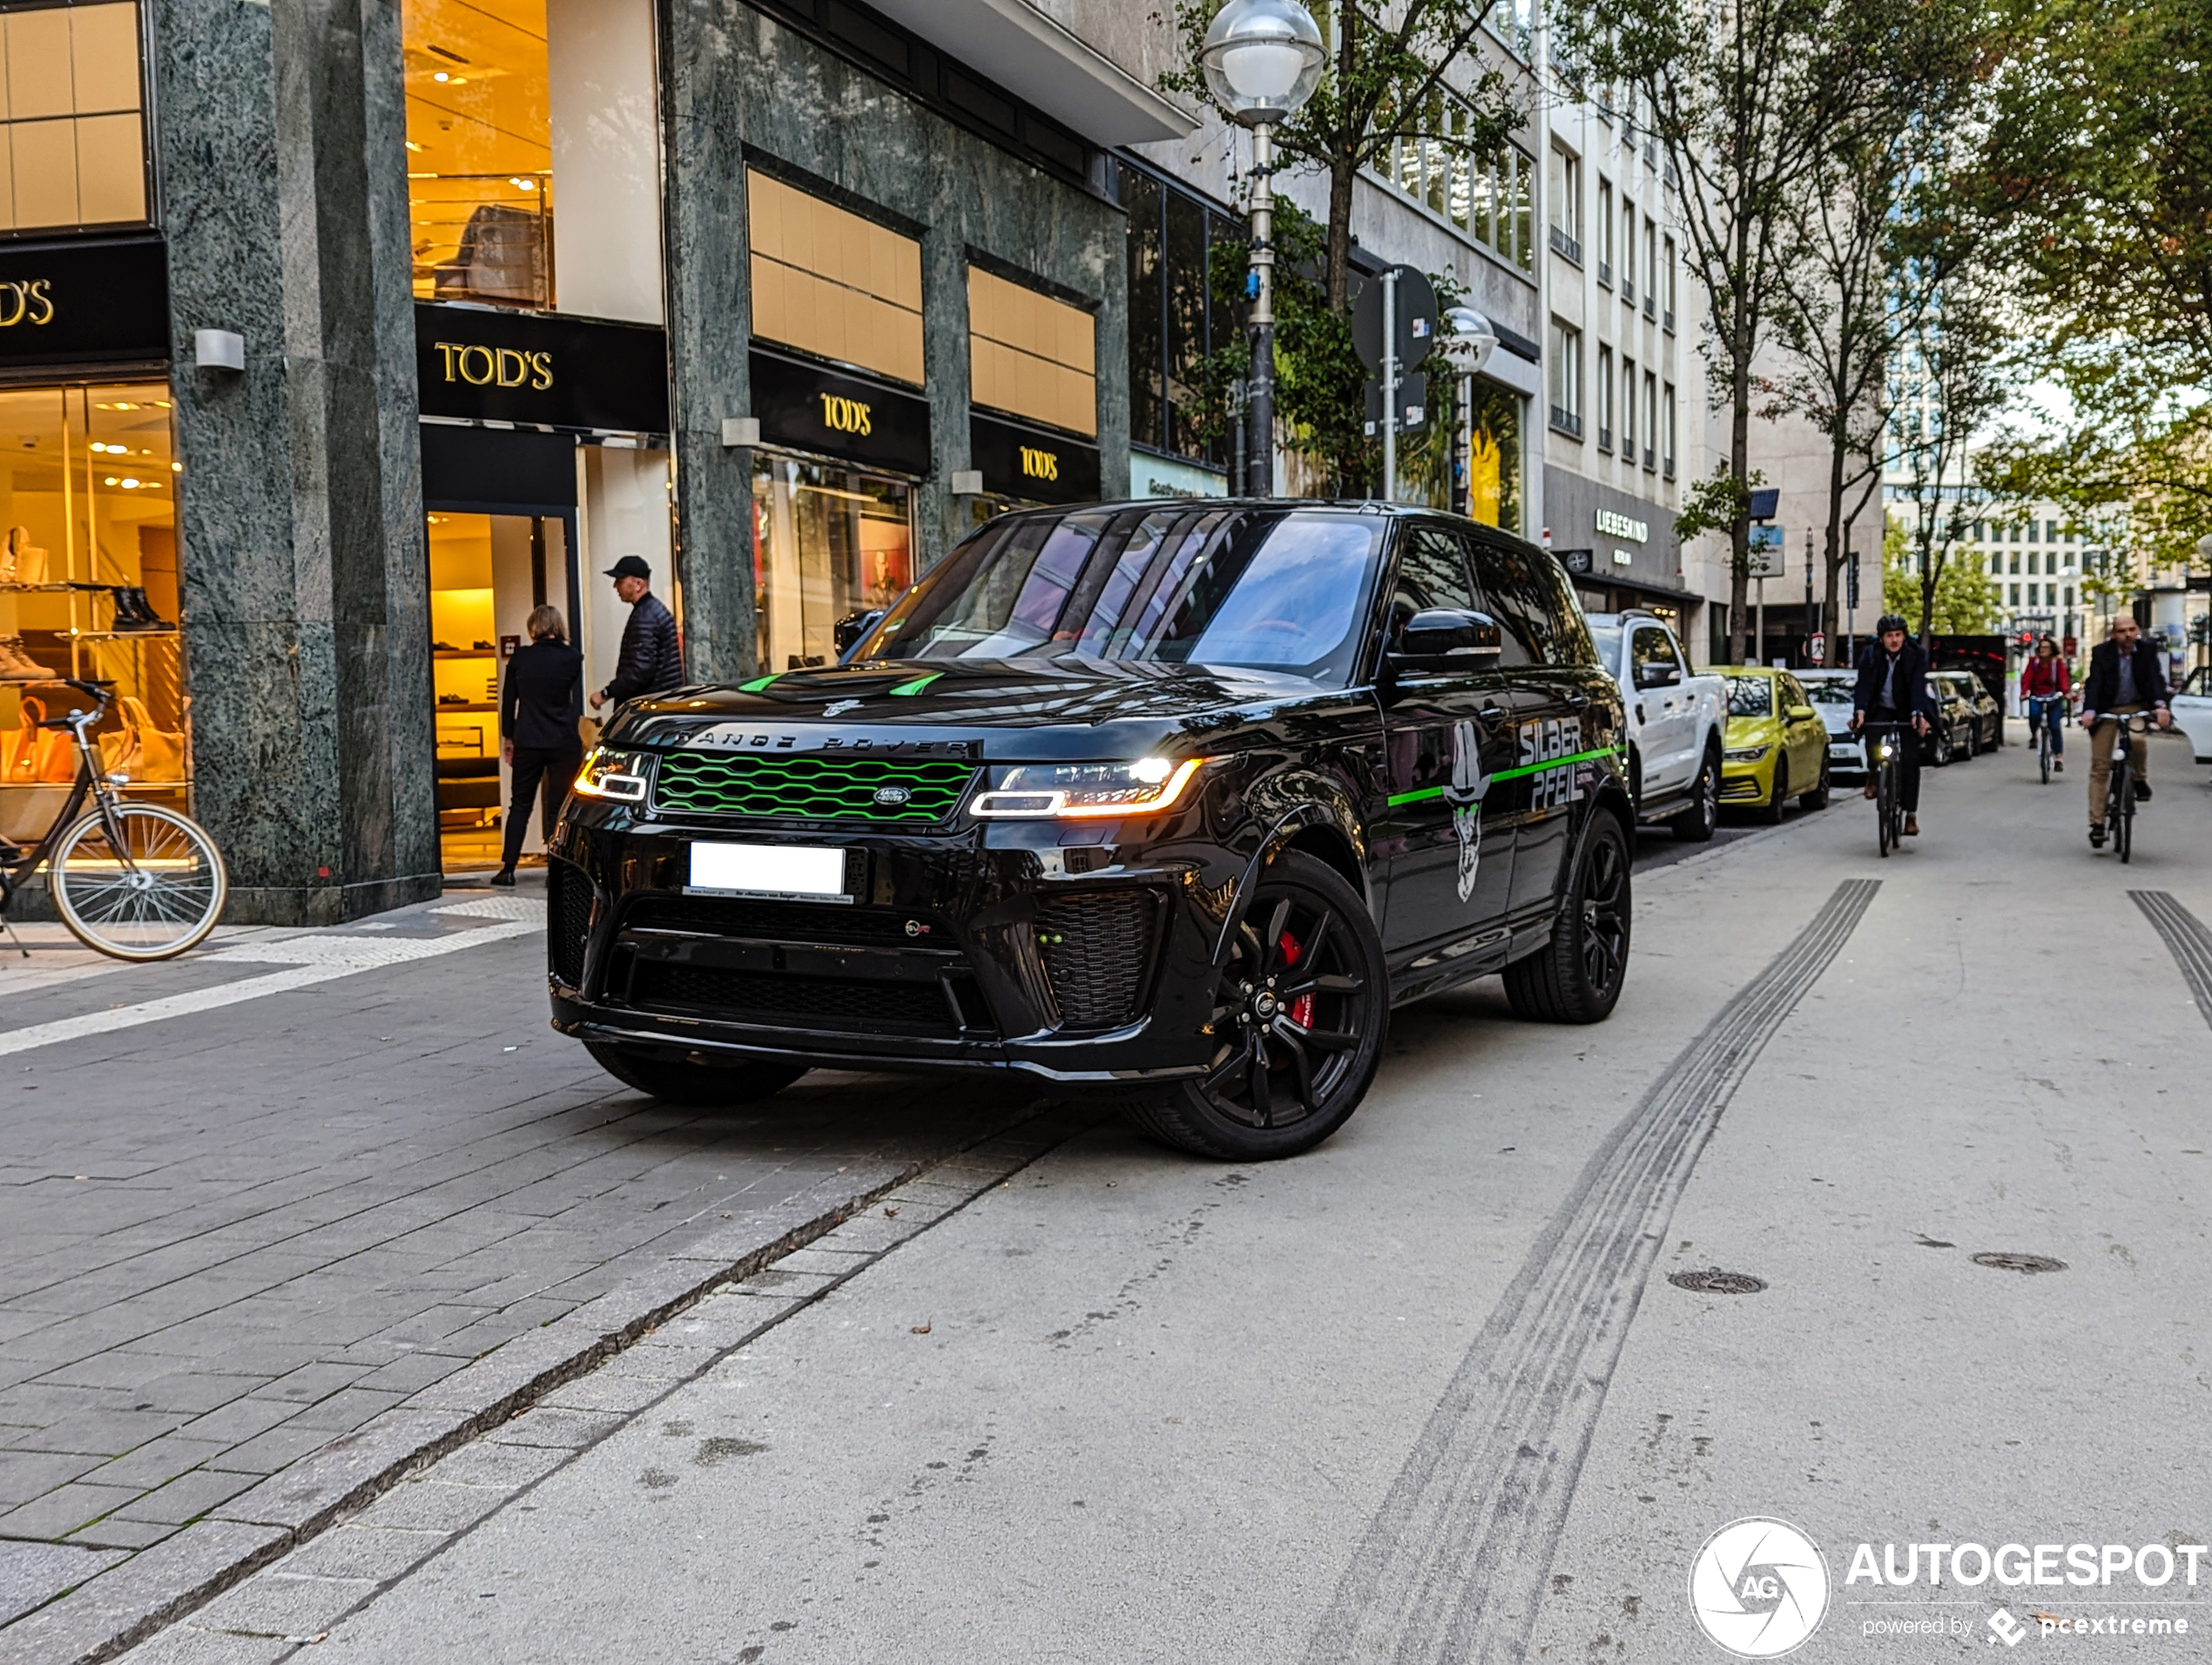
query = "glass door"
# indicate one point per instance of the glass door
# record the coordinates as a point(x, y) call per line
point(827, 542)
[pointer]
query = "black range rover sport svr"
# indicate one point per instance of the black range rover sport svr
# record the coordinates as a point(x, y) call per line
point(1173, 799)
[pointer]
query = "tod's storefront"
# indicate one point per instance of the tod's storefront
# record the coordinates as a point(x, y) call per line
point(308, 403)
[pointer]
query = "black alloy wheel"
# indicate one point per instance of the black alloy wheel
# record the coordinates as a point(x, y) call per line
point(679, 1081)
point(1696, 824)
point(1943, 746)
point(1770, 811)
point(1300, 1009)
point(1576, 977)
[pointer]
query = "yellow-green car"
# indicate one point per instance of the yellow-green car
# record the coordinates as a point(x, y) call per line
point(1777, 746)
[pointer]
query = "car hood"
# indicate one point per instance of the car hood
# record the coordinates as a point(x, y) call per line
point(995, 708)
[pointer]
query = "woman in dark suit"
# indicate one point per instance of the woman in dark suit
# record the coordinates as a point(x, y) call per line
point(540, 703)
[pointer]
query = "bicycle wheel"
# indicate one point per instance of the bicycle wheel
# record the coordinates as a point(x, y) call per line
point(156, 896)
point(2120, 806)
point(1885, 800)
point(2043, 746)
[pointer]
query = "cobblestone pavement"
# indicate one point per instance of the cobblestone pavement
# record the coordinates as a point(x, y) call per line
point(252, 1201)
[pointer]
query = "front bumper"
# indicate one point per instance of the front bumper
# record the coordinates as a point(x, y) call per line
point(1846, 755)
point(1747, 782)
point(993, 947)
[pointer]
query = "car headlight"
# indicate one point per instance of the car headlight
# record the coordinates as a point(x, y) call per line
point(1081, 791)
point(1747, 754)
point(618, 775)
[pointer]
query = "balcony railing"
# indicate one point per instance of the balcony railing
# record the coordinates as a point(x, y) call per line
point(1650, 458)
point(1667, 322)
point(1628, 287)
point(1570, 247)
point(1604, 438)
point(1650, 311)
point(1605, 274)
point(1566, 421)
point(1669, 471)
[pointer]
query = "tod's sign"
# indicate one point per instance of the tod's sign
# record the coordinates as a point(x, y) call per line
point(486, 364)
point(808, 406)
point(97, 302)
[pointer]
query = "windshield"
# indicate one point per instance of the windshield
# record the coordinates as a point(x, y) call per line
point(1831, 691)
point(1270, 589)
point(1750, 697)
point(1607, 637)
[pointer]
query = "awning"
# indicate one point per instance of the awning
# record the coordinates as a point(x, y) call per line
point(1031, 55)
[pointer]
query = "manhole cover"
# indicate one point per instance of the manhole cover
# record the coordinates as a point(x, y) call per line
point(1714, 1281)
point(2020, 1263)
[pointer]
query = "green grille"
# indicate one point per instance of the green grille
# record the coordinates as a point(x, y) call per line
point(812, 788)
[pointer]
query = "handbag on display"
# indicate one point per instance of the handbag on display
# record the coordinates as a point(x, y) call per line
point(34, 756)
point(21, 563)
point(141, 751)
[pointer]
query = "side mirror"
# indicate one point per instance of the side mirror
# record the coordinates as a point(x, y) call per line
point(1801, 713)
point(849, 629)
point(1448, 638)
point(1657, 676)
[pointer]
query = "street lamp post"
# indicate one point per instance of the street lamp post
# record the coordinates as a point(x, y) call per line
point(1262, 60)
point(1469, 339)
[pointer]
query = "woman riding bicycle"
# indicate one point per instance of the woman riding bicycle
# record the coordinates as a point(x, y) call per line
point(2045, 683)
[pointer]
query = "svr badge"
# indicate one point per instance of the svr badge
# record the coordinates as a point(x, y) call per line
point(1465, 796)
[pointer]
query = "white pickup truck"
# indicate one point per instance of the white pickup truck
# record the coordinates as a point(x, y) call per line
point(1677, 722)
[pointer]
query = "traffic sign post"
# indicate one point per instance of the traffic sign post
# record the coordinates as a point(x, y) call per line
point(1393, 322)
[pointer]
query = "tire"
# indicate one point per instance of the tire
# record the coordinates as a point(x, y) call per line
point(1770, 811)
point(1282, 1081)
point(158, 896)
point(1817, 798)
point(1576, 977)
point(1943, 748)
point(679, 1081)
point(1884, 811)
point(1696, 824)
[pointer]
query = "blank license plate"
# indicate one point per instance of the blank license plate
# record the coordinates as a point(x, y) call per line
point(768, 870)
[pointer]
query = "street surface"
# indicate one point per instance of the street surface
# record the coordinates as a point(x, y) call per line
point(1035, 1389)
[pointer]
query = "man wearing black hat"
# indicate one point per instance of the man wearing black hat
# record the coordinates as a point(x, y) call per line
point(651, 661)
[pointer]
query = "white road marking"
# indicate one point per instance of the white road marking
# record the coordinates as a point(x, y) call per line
point(310, 958)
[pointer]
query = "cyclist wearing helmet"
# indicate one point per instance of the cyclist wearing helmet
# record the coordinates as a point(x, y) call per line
point(1893, 691)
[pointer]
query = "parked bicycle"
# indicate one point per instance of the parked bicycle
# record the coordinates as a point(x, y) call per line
point(1891, 739)
point(2120, 785)
point(137, 881)
point(2045, 714)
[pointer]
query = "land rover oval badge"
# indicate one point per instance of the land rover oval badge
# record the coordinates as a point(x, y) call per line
point(889, 795)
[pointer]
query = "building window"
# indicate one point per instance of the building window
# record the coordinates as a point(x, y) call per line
point(1628, 410)
point(533, 155)
point(1487, 200)
point(2050, 531)
point(1628, 251)
point(1604, 233)
point(1567, 205)
point(1030, 356)
point(1666, 306)
point(1651, 268)
point(1494, 455)
point(72, 126)
point(2069, 595)
point(1666, 402)
point(1604, 398)
point(2016, 595)
point(1174, 321)
point(1567, 379)
point(1996, 565)
point(2016, 562)
point(2033, 528)
point(827, 541)
point(1650, 414)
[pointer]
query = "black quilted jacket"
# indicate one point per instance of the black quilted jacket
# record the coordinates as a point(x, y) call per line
point(651, 661)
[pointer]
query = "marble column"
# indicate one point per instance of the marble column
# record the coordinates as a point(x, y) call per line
point(280, 125)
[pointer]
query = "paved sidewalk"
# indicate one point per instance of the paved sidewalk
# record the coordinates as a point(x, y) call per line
point(255, 1201)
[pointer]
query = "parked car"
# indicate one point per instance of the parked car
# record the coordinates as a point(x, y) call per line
point(1987, 728)
point(1952, 735)
point(2191, 704)
point(1171, 800)
point(1831, 693)
point(1676, 721)
point(1776, 745)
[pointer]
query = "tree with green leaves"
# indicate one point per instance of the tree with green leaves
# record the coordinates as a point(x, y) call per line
point(1965, 601)
point(2104, 111)
point(1743, 94)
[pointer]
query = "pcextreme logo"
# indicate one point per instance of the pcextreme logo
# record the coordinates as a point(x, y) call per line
point(1759, 1589)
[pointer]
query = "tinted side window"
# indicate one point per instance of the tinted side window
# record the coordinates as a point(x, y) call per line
point(1431, 572)
point(1515, 593)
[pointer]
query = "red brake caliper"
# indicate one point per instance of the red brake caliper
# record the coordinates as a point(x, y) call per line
point(1302, 1007)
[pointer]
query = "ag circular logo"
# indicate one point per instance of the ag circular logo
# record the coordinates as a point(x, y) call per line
point(1759, 1587)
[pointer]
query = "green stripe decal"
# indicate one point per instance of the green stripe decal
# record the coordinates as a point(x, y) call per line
point(915, 687)
point(758, 684)
point(1426, 793)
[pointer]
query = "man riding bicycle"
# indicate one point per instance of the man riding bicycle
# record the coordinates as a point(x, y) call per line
point(1892, 692)
point(2125, 678)
point(2045, 683)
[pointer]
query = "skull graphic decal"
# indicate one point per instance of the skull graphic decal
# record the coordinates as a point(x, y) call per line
point(1465, 796)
